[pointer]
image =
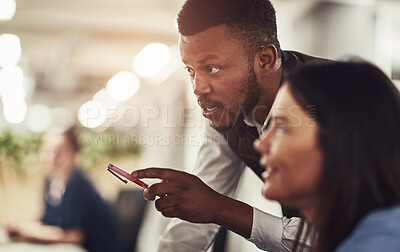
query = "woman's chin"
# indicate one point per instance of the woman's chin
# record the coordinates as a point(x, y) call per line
point(267, 193)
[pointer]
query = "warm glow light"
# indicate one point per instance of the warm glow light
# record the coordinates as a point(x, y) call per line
point(151, 59)
point(123, 86)
point(39, 118)
point(29, 85)
point(103, 97)
point(16, 112)
point(92, 114)
point(7, 9)
point(10, 49)
point(11, 85)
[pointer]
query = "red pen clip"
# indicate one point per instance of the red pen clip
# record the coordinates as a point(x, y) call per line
point(117, 171)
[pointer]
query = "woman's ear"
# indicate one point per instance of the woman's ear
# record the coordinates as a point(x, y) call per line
point(267, 58)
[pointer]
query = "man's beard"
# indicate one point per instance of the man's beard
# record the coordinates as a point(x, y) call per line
point(251, 92)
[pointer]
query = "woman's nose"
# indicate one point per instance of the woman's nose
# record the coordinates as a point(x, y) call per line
point(263, 143)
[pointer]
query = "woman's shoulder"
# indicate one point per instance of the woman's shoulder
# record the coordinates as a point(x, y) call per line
point(80, 183)
point(378, 231)
point(386, 218)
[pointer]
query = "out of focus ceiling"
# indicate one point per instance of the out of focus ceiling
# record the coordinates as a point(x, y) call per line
point(77, 45)
point(104, 17)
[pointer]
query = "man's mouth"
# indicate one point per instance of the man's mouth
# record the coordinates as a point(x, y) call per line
point(208, 109)
point(209, 112)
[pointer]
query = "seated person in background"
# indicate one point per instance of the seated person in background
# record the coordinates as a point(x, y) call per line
point(332, 150)
point(74, 211)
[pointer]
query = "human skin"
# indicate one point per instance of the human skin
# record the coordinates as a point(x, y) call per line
point(291, 155)
point(220, 70)
point(37, 232)
point(57, 155)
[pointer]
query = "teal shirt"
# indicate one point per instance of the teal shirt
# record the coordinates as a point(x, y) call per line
point(83, 208)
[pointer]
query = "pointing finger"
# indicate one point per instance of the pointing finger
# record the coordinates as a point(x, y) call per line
point(160, 173)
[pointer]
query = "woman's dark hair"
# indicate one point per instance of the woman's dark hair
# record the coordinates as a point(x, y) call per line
point(358, 116)
point(71, 135)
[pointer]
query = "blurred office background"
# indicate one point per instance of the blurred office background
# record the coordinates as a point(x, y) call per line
point(112, 67)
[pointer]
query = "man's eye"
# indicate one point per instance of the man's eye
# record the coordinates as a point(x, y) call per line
point(190, 71)
point(212, 69)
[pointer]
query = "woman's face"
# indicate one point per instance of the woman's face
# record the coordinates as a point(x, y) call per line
point(57, 154)
point(290, 153)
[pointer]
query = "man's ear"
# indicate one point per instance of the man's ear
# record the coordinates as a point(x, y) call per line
point(267, 58)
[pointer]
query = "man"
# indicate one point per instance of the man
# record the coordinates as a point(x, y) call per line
point(232, 54)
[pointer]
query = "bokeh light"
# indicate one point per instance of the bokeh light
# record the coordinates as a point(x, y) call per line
point(103, 97)
point(7, 9)
point(92, 114)
point(151, 59)
point(10, 49)
point(39, 118)
point(123, 86)
point(15, 113)
point(12, 85)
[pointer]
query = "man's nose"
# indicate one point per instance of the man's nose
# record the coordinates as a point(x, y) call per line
point(200, 86)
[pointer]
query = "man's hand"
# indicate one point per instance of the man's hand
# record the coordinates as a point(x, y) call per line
point(181, 195)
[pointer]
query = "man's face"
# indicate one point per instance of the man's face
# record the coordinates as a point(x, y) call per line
point(223, 79)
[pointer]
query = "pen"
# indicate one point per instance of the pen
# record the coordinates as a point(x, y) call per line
point(117, 171)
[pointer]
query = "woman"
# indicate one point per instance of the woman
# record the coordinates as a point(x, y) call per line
point(332, 150)
point(74, 211)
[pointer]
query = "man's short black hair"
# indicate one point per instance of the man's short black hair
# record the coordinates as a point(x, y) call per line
point(253, 21)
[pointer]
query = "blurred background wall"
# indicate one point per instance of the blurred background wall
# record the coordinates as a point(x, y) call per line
point(112, 66)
